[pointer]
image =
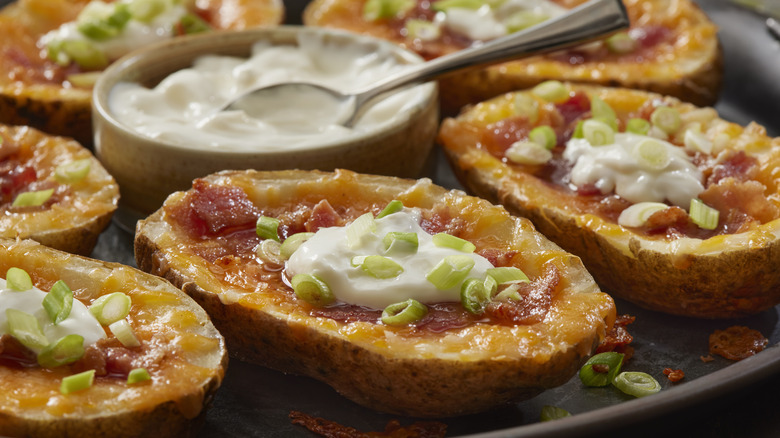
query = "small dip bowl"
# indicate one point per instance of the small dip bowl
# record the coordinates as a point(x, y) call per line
point(394, 141)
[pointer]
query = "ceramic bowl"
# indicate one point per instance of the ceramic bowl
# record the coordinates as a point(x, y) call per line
point(149, 169)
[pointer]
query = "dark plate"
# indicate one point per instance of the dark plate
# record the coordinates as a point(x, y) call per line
point(256, 402)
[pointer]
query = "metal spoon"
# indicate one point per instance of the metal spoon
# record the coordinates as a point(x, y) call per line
point(583, 24)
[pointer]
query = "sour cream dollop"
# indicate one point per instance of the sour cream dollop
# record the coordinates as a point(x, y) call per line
point(79, 322)
point(487, 23)
point(184, 108)
point(328, 256)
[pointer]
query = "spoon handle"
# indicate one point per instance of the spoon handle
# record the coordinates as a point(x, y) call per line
point(583, 24)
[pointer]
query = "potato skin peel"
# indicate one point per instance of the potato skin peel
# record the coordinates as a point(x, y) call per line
point(359, 359)
point(722, 277)
point(148, 409)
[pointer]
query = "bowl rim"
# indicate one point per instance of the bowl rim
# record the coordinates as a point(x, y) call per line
point(117, 72)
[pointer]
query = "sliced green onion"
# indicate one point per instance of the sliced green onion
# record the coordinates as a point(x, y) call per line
point(523, 20)
point(422, 30)
point(98, 30)
point(267, 228)
point(405, 312)
point(601, 111)
point(551, 91)
point(450, 271)
point(597, 133)
point(638, 126)
point(544, 135)
point(124, 333)
point(652, 154)
point(528, 152)
point(507, 274)
point(636, 383)
point(696, 141)
point(85, 54)
point(146, 10)
point(269, 251)
point(636, 215)
point(526, 106)
point(18, 279)
point(621, 43)
point(379, 267)
point(509, 293)
point(360, 227)
point(578, 133)
point(491, 285)
point(67, 349)
point(601, 369)
point(444, 240)
point(400, 243)
point(120, 16)
point(111, 308)
point(77, 382)
point(703, 215)
point(84, 80)
point(138, 375)
point(393, 206)
point(55, 53)
point(474, 296)
point(666, 119)
point(32, 199)
point(72, 171)
point(312, 289)
point(191, 23)
point(443, 5)
point(26, 329)
point(58, 302)
point(550, 413)
point(292, 243)
point(379, 9)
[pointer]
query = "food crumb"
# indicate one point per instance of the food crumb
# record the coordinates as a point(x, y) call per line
point(737, 342)
point(707, 358)
point(393, 429)
point(674, 376)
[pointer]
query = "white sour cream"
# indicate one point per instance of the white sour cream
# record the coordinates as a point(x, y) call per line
point(328, 256)
point(184, 108)
point(79, 322)
point(486, 23)
point(615, 168)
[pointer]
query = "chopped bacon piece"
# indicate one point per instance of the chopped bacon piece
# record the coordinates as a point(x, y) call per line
point(737, 165)
point(108, 358)
point(577, 107)
point(618, 338)
point(744, 196)
point(393, 429)
point(323, 215)
point(444, 316)
point(13, 353)
point(536, 298)
point(674, 376)
point(497, 257)
point(15, 177)
point(737, 342)
point(212, 209)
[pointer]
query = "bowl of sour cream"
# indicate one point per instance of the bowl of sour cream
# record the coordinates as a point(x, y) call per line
point(159, 120)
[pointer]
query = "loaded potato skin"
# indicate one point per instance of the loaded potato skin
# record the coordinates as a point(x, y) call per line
point(668, 264)
point(457, 369)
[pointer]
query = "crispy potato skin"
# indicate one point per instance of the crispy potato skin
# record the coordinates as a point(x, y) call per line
point(721, 277)
point(400, 381)
point(690, 68)
point(159, 412)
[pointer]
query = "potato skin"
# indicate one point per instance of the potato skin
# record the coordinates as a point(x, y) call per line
point(720, 277)
point(377, 377)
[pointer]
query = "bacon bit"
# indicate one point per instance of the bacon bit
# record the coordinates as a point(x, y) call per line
point(15, 177)
point(323, 215)
point(497, 257)
point(618, 338)
point(577, 107)
point(737, 342)
point(393, 429)
point(13, 353)
point(674, 376)
point(211, 209)
point(536, 298)
point(707, 358)
point(108, 358)
point(600, 368)
point(737, 165)
point(744, 196)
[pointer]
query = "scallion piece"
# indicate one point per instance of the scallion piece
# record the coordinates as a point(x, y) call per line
point(124, 333)
point(380, 267)
point(111, 308)
point(146, 10)
point(32, 199)
point(578, 133)
point(550, 413)
point(58, 302)
point(72, 171)
point(666, 119)
point(474, 296)
point(26, 329)
point(509, 293)
point(597, 133)
point(551, 91)
point(636, 215)
point(422, 30)
point(443, 5)
point(138, 375)
point(359, 228)
point(526, 106)
point(507, 274)
point(84, 80)
point(18, 279)
point(491, 285)
point(703, 215)
point(120, 16)
point(601, 369)
point(267, 228)
point(292, 243)
point(524, 19)
point(191, 23)
point(638, 126)
point(312, 289)
point(543, 135)
point(601, 111)
point(380, 9)
point(652, 154)
point(636, 383)
point(621, 43)
point(85, 54)
point(98, 30)
point(450, 271)
point(444, 240)
point(67, 349)
point(405, 312)
point(528, 153)
point(393, 206)
point(77, 382)
point(400, 242)
point(697, 142)
point(269, 251)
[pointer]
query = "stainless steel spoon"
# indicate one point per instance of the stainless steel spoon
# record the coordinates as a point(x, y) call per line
point(583, 24)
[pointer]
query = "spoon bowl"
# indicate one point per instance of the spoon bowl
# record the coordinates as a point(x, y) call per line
point(588, 22)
